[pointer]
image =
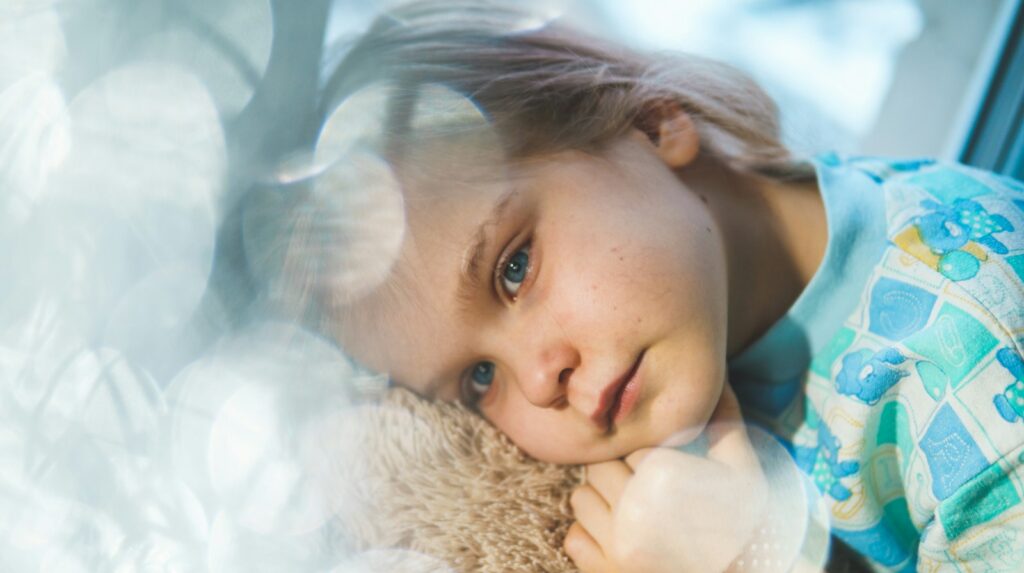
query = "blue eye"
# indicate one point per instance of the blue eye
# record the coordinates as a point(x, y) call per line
point(514, 271)
point(481, 377)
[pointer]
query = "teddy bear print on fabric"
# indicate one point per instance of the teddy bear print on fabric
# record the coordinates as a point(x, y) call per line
point(823, 465)
point(955, 238)
point(867, 375)
point(1010, 403)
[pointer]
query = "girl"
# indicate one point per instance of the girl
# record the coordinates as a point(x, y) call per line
point(616, 242)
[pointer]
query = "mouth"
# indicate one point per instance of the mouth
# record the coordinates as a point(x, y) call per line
point(618, 398)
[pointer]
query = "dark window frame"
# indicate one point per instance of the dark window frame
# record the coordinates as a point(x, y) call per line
point(996, 139)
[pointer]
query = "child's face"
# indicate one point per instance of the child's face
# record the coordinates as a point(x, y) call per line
point(595, 267)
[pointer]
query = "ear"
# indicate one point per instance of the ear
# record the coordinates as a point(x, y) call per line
point(671, 131)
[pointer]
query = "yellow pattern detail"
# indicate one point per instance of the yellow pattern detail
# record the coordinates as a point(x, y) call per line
point(909, 240)
point(976, 250)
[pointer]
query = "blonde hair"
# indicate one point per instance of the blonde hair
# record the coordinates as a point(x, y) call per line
point(543, 88)
point(551, 88)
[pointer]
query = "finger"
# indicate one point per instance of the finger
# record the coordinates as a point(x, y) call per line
point(593, 513)
point(609, 479)
point(728, 442)
point(584, 551)
point(634, 459)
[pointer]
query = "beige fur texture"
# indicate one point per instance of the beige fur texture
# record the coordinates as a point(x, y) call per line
point(435, 478)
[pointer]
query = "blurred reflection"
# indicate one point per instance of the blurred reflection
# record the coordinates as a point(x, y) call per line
point(34, 140)
point(239, 419)
point(234, 549)
point(114, 164)
point(388, 561)
point(31, 40)
point(829, 63)
point(226, 44)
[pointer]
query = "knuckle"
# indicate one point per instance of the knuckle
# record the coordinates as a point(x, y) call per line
point(579, 495)
point(623, 552)
point(662, 458)
point(633, 554)
point(601, 467)
point(643, 452)
point(627, 543)
point(574, 540)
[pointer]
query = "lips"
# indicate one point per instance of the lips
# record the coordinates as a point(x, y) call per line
point(617, 399)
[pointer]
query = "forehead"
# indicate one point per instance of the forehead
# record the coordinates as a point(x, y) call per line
point(447, 196)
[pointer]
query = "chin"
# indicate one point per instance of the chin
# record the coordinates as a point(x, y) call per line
point(681, 438)
point(679, 429)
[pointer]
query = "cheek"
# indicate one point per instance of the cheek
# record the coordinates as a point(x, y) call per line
point(662, 244)
point(627, 288)
point(692, 388)
point(539, 432)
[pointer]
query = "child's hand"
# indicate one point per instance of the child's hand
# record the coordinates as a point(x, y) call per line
point(589, 541)
point(666, 510)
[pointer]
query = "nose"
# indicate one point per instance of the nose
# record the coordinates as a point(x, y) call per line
point(543, 360)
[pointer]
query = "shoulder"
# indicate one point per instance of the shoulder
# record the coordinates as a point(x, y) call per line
point(952, 205)
point(961, 227)
point(916, 186)
point(966, 226)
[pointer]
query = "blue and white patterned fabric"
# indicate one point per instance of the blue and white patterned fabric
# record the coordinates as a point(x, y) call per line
point(896, 378)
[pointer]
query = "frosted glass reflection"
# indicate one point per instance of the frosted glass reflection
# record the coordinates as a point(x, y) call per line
point(349, 17)
point(442, 112)
point(354, 224)
point(46, 534)
point(91, 394)
point(161, 322)
point(34, 139)
point(254, 469)
point(134, 195)
point(31, 40)
point(391, 561)
point(358, 123)
point(233, 548)
point(147, 139)
point(120, 404)
point(240, 419)
point(156, 552)
point(130, 439)
point(343, 446)
point(360, 205)
point(226, 44)
point(539, 13)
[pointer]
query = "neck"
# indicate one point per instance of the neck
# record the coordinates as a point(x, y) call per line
point(775, 236)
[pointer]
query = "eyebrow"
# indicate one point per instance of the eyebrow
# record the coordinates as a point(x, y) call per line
point(479, 246)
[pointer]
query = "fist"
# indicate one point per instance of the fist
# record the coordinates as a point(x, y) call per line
point(662, 509)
